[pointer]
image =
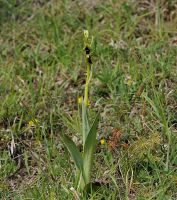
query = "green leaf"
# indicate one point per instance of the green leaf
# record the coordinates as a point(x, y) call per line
point(85, 122)
point(72, 148)
point(152, 105)
point(72, 122)
point(89, 148)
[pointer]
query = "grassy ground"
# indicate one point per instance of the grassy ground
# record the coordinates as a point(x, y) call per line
point(133, 88)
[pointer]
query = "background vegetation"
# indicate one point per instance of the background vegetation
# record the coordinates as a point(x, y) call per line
point(134, 89)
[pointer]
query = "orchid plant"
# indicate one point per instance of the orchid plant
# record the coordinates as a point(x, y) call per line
point(84, 160)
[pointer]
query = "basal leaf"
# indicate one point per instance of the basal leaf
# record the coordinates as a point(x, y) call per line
point(89, 148)
point(75, 153)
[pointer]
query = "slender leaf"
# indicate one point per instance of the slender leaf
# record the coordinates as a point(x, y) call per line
point(72, 148)
point(72, 122)
point(152, 105)
point(85, 122)
point(89, 148)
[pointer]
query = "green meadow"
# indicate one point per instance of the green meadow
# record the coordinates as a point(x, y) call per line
point(45, 57)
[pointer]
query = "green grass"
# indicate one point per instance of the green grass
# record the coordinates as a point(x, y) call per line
point(133, 88)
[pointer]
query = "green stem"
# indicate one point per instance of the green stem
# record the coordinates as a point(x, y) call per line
point(87, 85)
